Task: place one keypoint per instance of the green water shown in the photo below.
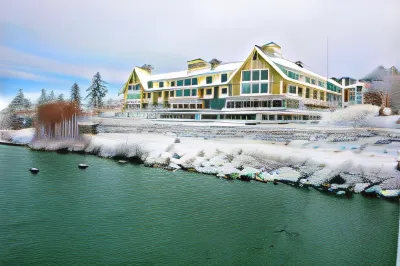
(112, 214)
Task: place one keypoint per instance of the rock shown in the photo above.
(174, 166)
(383, 141)
(176, 156)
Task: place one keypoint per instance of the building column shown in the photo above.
(258, 116)
(281, 87)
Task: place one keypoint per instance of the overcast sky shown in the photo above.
(51, 44)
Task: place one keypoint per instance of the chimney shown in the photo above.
(147, 68)
(299, 63)
(214, 63)
(343, 82)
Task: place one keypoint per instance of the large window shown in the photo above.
(300, 91)
(224, 91)
(180, 83)
(254, 81)
(179, 93)
(194, 81)
(321, 84)
(208, 91)
(209, 80)
(172, 83)
(293, 75)
(194, 92)
(161, 84)
(308, 80)
(150, 84)
(188, 82)
(171, 94)
(186, 92)
(307, 92)
(313, 81)
(292, 89)
(224, 77)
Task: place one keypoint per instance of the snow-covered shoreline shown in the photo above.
(359, 166)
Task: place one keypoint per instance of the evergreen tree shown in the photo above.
(52, 97)
(43, 97)
(60, 98)
(18, 103)
(97, 91)
(27, 103)
(75, 94)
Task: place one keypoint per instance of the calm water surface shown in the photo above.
(112, 214)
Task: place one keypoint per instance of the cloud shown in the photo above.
(363, 34)
(13, 59)
(9, 73)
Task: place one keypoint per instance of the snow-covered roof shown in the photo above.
(354, 85)
(292, 66)
(224, 67)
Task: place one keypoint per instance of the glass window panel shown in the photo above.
(150, 84)
(224, 91)
(161, 84)
(209, 80)
(188, 82)
(264, 87)
(194, 81)
(194, 92)
(255, 88)
(245, 75)
(292, 89)
(186, 92)
(179, 93)
(264, 74)
(245, 88)
(172, 83)
(180, 83)
(256, 75)
(224, 77)
(208, 91)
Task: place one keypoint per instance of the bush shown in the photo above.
(201, 153)
(177, 140)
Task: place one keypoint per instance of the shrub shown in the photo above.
(201, 153)
(177, 140)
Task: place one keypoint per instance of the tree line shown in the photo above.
(95, 95)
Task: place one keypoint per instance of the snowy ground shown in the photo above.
(299, 153)
(360, 163)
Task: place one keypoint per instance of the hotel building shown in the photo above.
(265, 86)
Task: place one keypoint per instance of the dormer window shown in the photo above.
(224, 77)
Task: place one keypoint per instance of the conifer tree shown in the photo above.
(18, 103)
(52, 97)
(60, 98)
(43, 97)
(75, 94)
(97, 91)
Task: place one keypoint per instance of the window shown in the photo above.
(208, 91)
(179, 83)
(276, 103)
(194, 92)
(186, 92)
(264, 74)
(264, 87)
(179, 93)
(315, 94)
(245, 88)
(171, 93)
(150, 84)
(254, 81)
(188, 82)
(160, 94)
(293, 75)
(194, 81)
(148, 95)
(255, 88)
(209, 80)
(308, 80)
(313, 81)
(300, 91)
(292, 89)
(255, 75)
(322, 96)
(224, 77)
(137, 87)
(172, 83)
(224, 91)
(255, 56)
(245, 75)
(307, 92)
(161, 84)
(321, 84)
